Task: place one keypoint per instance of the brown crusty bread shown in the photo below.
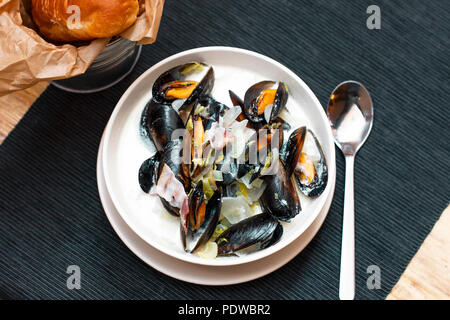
(98, 18)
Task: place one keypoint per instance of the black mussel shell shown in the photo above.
(213, 109)
(160, 121)
(235, 100)
(179, 73)
(262, 228)
(245, 168)
(280, 198)
(251, 97)
(196, 237)
(148, 172)
(281, 98)
(229, 176)
(320, 181)
(204, 88)
(294, 148)
(274, 238)
(282, 124)
(148, 176)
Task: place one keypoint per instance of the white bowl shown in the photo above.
(125, 149)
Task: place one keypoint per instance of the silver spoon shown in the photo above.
(350, 113)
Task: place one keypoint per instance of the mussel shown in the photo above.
(151, 169)
(264, 101)
(305, 159)
(202, 218)
(148, 177)
(262, 231)
(148, 172)
(183, 85)
(160, 121)
(280, 198)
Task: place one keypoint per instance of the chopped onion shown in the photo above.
(255, 193)
(268, 112)
(208, 251)
(231, 115)
(246, 179)
(217, 175)
(235, 209)
(257, 183)
(241, 135)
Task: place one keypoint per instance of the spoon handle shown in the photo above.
(347, 277)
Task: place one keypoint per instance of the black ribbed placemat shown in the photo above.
(51, 216)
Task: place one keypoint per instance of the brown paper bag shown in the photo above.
(26, 58)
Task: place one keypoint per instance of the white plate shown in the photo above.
(202, 274)
(124, 149)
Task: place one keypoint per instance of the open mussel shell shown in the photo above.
(316, 185)
(183, 85)
(148, 172)
(160, 121)
(148, 177)
(262, 229)
(202, 218)
(280, 198)
(255, 101)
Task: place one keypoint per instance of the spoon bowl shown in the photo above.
(350, 112)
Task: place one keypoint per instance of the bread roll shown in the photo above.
(73, 20)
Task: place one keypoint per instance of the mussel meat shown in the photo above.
(306, 159)
(183, 85)
(264, 101)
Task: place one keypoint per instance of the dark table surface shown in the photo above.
(51, 216)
